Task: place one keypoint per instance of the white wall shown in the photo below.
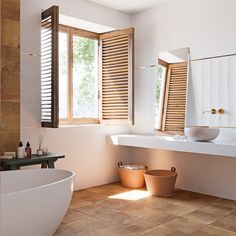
(85, 147)
(208, 28)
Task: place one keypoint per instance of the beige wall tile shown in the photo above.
(10, 33)
(10, 116)
(10, 63)
(10, 74)
(10, 9)
(9, 141)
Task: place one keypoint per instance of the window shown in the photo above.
(160, 91)
(78, 76)
(85, 77)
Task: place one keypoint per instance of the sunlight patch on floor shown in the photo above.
(132, 195)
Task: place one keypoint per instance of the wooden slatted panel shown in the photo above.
(175, 98)
(49, 67)
(116, 74)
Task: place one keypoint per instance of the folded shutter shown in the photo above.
(175, 98)
(49, 67)
(116, 76)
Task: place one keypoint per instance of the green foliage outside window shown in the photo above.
(85, 77)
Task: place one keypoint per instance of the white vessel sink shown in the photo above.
(201, 133)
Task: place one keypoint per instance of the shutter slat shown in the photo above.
(114, 40)
(115, 43)
(114, 51)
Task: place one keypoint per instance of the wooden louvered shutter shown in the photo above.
(116, 76)
(175, 98)
(49, 67)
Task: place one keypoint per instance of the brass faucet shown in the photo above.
(213, 111)
(221, 111)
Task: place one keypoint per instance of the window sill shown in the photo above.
(78, 125)
(89, 125)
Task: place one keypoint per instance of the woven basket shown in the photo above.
(161, 183)
(132, 178)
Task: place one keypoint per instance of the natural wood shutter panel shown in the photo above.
(49, 67)
(175, 98)
(116, 76)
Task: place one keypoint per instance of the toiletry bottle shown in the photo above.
(21, 151)
(28, 150)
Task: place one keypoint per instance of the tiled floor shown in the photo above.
(114, 210)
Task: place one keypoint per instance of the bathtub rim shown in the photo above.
(41, 186)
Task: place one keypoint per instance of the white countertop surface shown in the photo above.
(174, 144)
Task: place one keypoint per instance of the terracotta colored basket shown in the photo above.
(132, 176)
(161, 183)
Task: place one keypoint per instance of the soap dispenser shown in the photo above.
(28, 150)
(21, 151)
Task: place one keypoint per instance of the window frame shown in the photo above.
(71, 31)
(162, 102)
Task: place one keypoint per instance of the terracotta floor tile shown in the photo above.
(158, 218)
(89, 196)
(196, 201)
(93, 212)
(137, 225)
(135, 209)
(113, 217)
(163, 230)
(66, 230)
(212, 231)
(112, 230)
(109, 189)
(76, 203)
(228, 222)
(93, 209)
(186, 226)
(175, 209)
(114, 203)
(156, 202)
(227, 203)
(72, 215)
(89, 224)
(209, 214)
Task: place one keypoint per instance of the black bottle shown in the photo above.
(28, 150)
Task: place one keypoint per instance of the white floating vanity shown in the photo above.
(174, 144)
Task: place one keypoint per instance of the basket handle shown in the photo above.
(120, 163)
(173, 169)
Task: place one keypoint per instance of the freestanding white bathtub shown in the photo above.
(34, 202)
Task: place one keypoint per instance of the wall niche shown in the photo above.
(10, 75)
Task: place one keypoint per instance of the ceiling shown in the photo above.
(130, 6)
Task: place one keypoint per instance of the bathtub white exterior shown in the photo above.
(34, 202)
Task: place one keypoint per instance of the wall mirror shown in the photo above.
(211, 99)
(171, 87)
